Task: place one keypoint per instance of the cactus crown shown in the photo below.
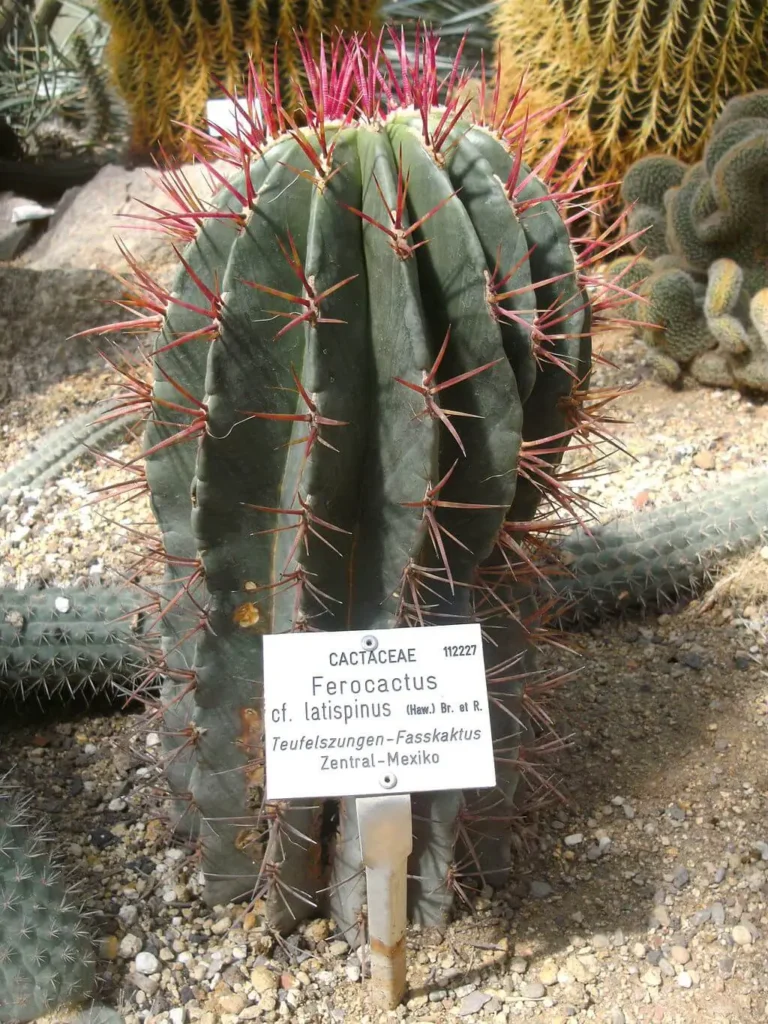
(378, 345)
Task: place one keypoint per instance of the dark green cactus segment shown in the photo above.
(58, 644)
(452, 275)
(487, 814)
(656, 558)
(323, 487)
(505, 246)
(169, 471)
(47, 956)
(560, 327)
(402, 457)
(248, 370)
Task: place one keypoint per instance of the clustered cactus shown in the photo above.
(47, 957)
(704, 271)
(376, 351)
(167, 59)
(637, 76)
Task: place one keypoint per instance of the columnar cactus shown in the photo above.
(376, 350)
(47, 956)
(59, 645)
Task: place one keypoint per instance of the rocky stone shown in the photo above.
(473, 1003)
(680, 954)
(548, 973)
(742, 936)
(533, 990)
(263, 980)
(540, 890)
(146, 963)
(130, 946)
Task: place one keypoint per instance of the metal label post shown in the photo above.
(386, 841)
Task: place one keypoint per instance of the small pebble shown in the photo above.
(533, 990)
(130, 946)
(146, 963)
(742, 936)
(540, 890)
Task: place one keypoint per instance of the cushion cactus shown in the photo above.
(705, 241)
(375, 353)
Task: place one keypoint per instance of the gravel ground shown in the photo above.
(640, 898)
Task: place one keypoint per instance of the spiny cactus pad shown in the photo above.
(46, 953)
(373, 357)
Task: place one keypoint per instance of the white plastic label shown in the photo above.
(220, 114)
(361, 713)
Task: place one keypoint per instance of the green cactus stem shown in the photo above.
(56, 450)
(656, 558)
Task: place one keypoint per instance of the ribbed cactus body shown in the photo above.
(46, 952)
(641, 76)
(372, 359)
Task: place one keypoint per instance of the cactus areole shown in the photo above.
(375, 352)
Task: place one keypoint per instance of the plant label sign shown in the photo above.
(362, 713)
(222, 115)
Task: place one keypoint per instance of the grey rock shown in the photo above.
(666, 968)
(681, 878)
(718, 914)
(700, 917)
(617, 1016)
(725, 966)
(473, 1003)
(533, 990)
(540, 890)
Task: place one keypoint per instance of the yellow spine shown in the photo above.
(650, 75)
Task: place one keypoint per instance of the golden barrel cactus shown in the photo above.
(642, 76)
(166, 55)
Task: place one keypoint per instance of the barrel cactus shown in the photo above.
(376, 351)
(638, 77)
(168, 59)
